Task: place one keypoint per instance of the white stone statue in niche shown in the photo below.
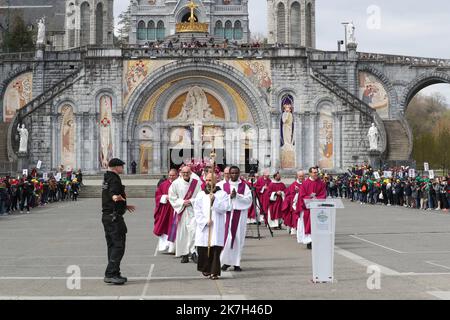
(373, 137)
(23, 132)
(196, 107)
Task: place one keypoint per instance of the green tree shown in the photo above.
(429, 118)
(19, 38)
(124, 27)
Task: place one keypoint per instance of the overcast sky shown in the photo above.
(408, 27)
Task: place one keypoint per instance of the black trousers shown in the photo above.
(115, 234)
(211, 264)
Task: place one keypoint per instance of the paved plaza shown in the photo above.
(42, 252)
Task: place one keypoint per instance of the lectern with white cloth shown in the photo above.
(323, 229)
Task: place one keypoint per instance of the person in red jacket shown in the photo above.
(163, 214)
(312, 188)
(276, 194)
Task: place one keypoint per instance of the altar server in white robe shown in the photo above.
(182, 194)
(236, 220)
(210, 234)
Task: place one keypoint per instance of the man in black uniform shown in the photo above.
(114, 206)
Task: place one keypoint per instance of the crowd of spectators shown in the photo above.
(391, 187)
(35, 189)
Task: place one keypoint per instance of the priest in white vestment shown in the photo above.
(182, 194)
(210, 234)
(236, 220)
(226, 178)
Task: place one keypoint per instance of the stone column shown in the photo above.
(118, 136)
(275, 142)
(198, 140)
(165, 142)
(157, 152)
(264, 148)
(79, 141)
(338, 144)
(299, 148)
(55, 119)
(228, 140)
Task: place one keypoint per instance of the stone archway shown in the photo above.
(162, 80)
(420, 83)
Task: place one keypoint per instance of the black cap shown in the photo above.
(115, 163)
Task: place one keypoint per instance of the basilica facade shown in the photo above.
(282, 106)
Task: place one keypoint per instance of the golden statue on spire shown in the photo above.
(193, 25)
(192, 6)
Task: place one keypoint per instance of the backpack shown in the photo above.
(364, 188)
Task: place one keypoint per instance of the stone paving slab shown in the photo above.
(409, 246)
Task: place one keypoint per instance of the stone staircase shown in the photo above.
(398, 141)
(354, 102)
(38, 102)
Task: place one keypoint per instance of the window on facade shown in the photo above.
(228, 30)
(151, 31)
(160, 31)
(238, 33)
(218, 30)
(309, 25)
(295, 24)
(141, 31)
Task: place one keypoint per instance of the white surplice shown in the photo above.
(202, 207)
(164, 245)
(185, 239)
(242, 202)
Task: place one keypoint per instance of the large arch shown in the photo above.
(419, 83)
(161, 80)
(252, 97)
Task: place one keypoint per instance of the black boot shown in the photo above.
(225, 267)
(115, 280)
(194, 257)
(185, 259)
(309, 246)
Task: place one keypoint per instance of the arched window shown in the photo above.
(229, 30)
(99, 24)
(308, 23)
(160, 31)
(141, 31)
(295, 24)
(281, 23)
(218, 30)
(85, 32)
(151, 31)
(238, 33)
